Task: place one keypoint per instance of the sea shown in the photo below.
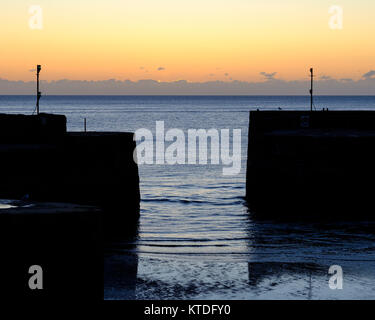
(196, 238)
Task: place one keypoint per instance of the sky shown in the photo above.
(198, 41)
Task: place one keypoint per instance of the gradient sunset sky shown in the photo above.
(194, 40)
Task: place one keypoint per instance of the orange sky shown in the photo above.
(196, 40)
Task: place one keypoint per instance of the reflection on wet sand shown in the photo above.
(291, 259)
(273, 259)
(273, 274)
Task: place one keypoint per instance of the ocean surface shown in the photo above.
(196, 238)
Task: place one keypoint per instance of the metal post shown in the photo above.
(311, 90)
(38, 93)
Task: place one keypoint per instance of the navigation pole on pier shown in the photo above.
(311, 89)
(38, 93)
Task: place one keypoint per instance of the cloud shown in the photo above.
(346, 79)
(325, 78)
(268, 76)
(363, 86)
(369, 75)
(161, 68)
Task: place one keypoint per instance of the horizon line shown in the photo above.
(197, 95)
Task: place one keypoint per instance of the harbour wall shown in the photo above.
(318, 164)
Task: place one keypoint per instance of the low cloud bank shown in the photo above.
(324, 86)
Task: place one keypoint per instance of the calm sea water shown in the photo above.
(196, 238)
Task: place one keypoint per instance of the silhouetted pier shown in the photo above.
(44, 162)
(68, 189)
(319, 163)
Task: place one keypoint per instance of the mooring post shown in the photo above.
(38, 93)
(311, 90)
